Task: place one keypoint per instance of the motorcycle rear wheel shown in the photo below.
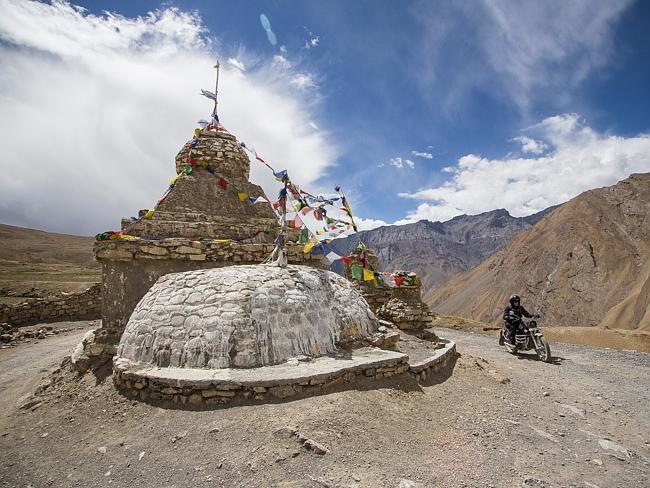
(543, 351)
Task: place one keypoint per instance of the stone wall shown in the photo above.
(406, 308)
(179, 392)
(211, 394)
(130, 268)
(66, 306)
(376, 296)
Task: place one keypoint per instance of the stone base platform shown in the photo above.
(203, 388)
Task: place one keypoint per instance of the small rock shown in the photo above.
(45, 434)
(530, 481)
(546, 393)
(406, 484)
(597, 462)
(102, 449)
(140, 456)
(314, 446)
(178, 436)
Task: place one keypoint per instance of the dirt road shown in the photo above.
(496, 420)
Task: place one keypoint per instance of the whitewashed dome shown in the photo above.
(244, 317)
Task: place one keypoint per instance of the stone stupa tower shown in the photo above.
(203, 221)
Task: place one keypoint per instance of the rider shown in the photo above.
(512, 317)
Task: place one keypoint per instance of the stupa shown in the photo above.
(211, 216)
(191, 316)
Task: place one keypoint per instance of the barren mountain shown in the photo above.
(37, 246)
(438, 250)
(586, 263)
(35, 263)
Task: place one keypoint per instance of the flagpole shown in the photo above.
(216, 91)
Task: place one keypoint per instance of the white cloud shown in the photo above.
(530, 146)
(578, 159)
(281, 61)
(236, 63)
(521, 51)
(94, 109)
(312, 41)
(422, 154)
(303, 81)
(368, 224)
(400, 163)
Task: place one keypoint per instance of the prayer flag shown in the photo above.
(357, 272)
(208, 94)
(281, 175)
(223, 183)
(149, 214)
(308, 247)
(332, 256)
(242, 196)
(368, 275)
(346, 260)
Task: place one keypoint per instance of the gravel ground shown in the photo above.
(495, 420)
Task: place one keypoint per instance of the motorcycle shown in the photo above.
(527, 337)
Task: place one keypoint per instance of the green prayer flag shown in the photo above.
(357, 272)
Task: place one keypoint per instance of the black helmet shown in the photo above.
(514, 298)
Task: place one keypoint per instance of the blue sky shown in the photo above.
(417, 109)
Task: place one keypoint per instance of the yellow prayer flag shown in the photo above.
(197, 132)
(368, 275)
(222, 241)
(308, 247)
(149, 214)
(242, 196)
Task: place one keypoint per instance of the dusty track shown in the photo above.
(469, 430)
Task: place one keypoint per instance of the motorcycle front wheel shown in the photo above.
(544, 350)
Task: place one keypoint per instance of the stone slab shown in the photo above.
(438, 356)
(266, 376)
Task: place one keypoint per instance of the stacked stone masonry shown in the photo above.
(406, 308)
(130, 268)
(209, 395)
(66, 306)
(200, 205)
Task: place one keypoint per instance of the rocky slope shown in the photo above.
(587, 263)
(438, 250)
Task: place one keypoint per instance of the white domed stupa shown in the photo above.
(244, 317)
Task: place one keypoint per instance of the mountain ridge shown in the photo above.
(438, 250)
(587, 263)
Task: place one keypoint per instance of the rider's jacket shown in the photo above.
(512, 315)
